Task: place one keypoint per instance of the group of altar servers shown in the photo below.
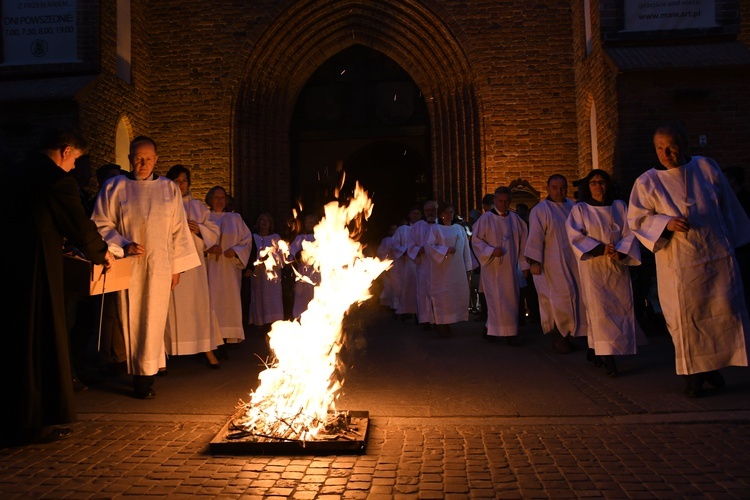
(578, 255)
(188, 260)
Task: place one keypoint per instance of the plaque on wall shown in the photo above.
(39, 33)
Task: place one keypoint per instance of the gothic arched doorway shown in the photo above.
(360, 114)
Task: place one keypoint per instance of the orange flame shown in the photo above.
(300, 386)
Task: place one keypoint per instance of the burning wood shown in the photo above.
(295, 399)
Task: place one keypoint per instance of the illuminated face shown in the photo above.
(415, 215)
(557, 189)
(446, 216)
(668, 150)
(143, 159)
(219, 200)
(502, 203)
(69, 157)
(598, 187)
(430, 211)
(182, 182)
(264, 224)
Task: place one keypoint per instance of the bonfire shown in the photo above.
(297, 392)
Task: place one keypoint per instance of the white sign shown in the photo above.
(658, 15)
(39, 32)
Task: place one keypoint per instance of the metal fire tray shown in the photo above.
(354, 441)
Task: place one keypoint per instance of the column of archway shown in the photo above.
(309, 33)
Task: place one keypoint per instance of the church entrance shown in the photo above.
(361, 118)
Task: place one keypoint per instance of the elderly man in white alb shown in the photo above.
(687, 214)
(499, 240)
(550, 255)
(140, 215)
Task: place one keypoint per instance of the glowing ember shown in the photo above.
(297, 392)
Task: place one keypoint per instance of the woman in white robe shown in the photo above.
(447, 247)
(266, 299)
(225, 262)
(604, 246)
(687, 214)
(192, 326)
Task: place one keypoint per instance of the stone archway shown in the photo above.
(308, 33)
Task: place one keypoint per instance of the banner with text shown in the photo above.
(39, 32)
(658, 15)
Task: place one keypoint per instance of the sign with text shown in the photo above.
(659, 15)
(39, 32)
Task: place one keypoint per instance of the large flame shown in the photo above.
(299, 388)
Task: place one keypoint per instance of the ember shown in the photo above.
(295, 399)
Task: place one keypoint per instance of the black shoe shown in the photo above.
(144, 394)
(559, 343)
(222, 352)
(78, 385)
(694, 385)
(715, 379)
(53, 434)
(143, 387)
(609, 363)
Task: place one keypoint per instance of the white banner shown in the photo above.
(659, 15)
(39, 32)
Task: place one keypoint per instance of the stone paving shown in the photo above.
(449, 418)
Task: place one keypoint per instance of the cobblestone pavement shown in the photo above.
(449, 418)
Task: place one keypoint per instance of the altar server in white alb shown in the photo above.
(266, 300)
(140, 214)
(405, 267)
(447, 247)
(225, 262)
(192, 327)
(419, 233)
(605, 246)
(549, 253)
(687, 214)
(499, 240)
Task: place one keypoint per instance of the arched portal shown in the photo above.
(418, 37)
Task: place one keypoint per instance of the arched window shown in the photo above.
(122, 143)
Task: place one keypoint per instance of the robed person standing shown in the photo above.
(605, 246)
(419, 233)
(225, 262)
(687, 214)
(549, 253)
(192, 326)
(37, 389)
(405, 267)
(447, 247)
(142, 215)
(499, 240)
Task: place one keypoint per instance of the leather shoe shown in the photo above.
(54, 434)
(715, 379)
(144, 393)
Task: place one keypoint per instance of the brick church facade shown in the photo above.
(415, 99)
